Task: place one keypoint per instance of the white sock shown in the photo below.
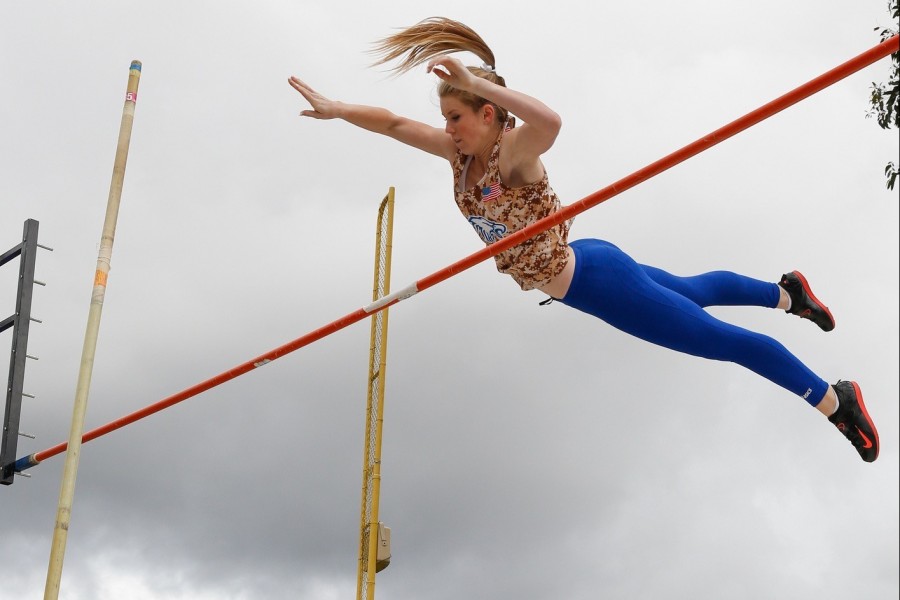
(790, 303)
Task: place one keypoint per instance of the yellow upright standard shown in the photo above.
(374, 537)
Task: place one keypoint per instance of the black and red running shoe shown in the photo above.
(853, 420)
(804, 303)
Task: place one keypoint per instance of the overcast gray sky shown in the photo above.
(529, 452)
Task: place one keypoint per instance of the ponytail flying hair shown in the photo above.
(439, 36)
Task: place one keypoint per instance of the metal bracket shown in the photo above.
(19, 321)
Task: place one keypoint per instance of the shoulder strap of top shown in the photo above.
(493, 170)
(461, 183)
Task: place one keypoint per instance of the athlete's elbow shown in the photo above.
(553, 125)
(555, 122)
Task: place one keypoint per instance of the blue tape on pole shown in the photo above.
(26, 462)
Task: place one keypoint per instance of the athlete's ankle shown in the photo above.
(829, 403)
(784, 299)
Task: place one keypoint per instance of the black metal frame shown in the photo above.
(19, 321)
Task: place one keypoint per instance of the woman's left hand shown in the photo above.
(452, 71)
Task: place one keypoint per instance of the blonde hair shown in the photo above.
(440, 36)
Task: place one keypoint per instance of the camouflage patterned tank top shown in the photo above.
(496, 211)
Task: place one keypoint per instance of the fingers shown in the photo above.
(320, 105)
(440, 61)
(307, 92)
(448, 68)
(441, 74)
(299, 85)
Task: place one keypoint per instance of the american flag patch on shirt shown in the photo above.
(490, 192)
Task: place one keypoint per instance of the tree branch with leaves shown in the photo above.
(883, 99)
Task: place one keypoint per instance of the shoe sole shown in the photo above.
(812, 297)
(865, 413)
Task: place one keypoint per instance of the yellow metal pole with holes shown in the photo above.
(369, 538)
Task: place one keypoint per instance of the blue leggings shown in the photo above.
(667, 310)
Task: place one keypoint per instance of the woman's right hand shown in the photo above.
(433, 140)
(322, 107)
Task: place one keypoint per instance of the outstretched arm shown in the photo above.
(413, 133)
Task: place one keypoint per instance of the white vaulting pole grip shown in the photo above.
(391, 299)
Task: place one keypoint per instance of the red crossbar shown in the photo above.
(813, 86)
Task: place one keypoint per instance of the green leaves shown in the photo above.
(883, 99)
(890, 171)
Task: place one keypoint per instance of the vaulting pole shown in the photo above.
(752, 118)
(67, 488)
